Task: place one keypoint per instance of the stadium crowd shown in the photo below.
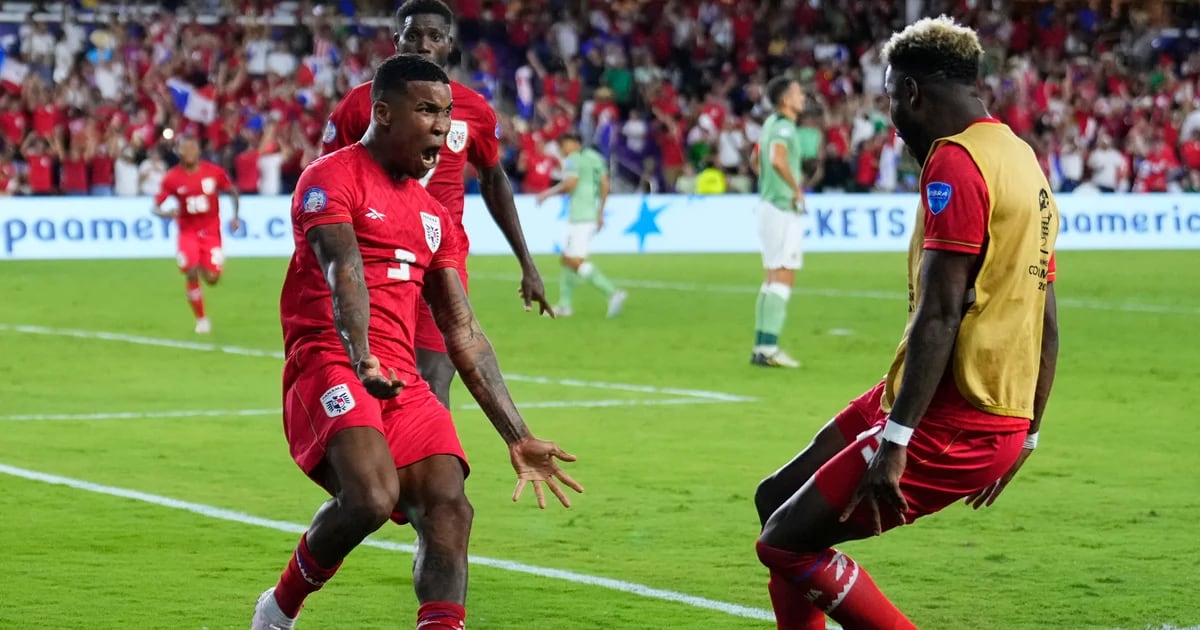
(671, 92)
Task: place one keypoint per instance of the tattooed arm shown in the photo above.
(336, 248)
(472, 353)
(473, 357)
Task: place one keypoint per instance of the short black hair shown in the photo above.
(410, 8)
(571, 135)
(936, 48)
(397, 71)
(777, 87)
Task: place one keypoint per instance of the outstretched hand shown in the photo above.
(373, 379)
(533, 460)
(532, 290)
(988, 496)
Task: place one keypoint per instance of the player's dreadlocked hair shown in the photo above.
(936, 48)
(422, 7)
(394, 74)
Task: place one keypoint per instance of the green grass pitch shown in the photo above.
(672, 427)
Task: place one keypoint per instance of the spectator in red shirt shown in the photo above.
(537, 166)
(1190, 152)
(102, 163)
(9, 181)
(39, 164)
(74, 171)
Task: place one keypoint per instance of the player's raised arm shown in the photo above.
(475, 360)
(336, 248)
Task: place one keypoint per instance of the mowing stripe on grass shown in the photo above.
(1069, 302)
(641, 590)
(699, 394)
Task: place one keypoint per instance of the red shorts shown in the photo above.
(327, 398)
(427, 336)
(200, 250)
(945, 463)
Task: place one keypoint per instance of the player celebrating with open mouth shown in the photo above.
(370, 244)
(424, 27)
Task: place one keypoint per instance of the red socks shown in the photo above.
(793, 611)
(195, 297)
(830, 581)
(302, 577)
(441, 616)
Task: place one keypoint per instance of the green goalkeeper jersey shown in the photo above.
(773, 189)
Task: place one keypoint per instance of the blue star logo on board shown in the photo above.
(646, 222)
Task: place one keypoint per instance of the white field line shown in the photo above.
(138, 415)
(1069, 302)
(228, 413)
(276, 354)
(209, 511)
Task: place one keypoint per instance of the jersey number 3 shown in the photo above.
(403, 271)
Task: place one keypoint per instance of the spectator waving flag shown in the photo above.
(198, 104)
(12, 73)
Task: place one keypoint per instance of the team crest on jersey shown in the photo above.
(337, 400)
(314, 199)
(456, 140)
(433, 230)
(330, 133)
(208, 185)
(937, 196)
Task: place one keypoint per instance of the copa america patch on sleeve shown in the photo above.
(337, 400)
(497, 130)
(330, 132)
(315, 199)
(937, 196)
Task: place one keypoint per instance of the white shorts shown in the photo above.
(579, 239)
(781, 235)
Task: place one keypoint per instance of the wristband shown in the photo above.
(896, 433)
(1031, 441)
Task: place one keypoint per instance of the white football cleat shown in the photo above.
(616, 302)
(203, 326)
(778, 358)
(267, 615)
(563, 311)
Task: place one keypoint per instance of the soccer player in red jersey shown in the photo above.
(423, 27)
(370, 244)
(195, 184)
(961, 406)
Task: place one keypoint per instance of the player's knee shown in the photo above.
(767, 498)
(370, 506)
(447, 517)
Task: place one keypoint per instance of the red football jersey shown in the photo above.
(402, 234)
(196, 191)
(474, 137)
